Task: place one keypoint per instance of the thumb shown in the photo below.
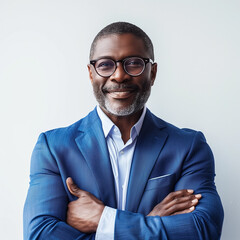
(73, 188)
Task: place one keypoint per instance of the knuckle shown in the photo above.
(176, 200)
(171, 195)
(177, 193)
(174, 208)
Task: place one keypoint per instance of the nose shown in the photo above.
(120, 75)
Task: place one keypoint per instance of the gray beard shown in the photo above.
(137, 105)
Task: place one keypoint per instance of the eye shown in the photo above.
(105, 64)
(134, 62)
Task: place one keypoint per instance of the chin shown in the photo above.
(116, 109)
(122, 111)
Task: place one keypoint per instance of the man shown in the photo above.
(121, 172)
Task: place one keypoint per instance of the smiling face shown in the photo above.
(121, 94)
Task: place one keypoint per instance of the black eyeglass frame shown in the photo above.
(145, 60)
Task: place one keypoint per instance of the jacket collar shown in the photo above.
(149, 145)
(91, 142)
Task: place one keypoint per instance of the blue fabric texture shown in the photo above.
(166, 159)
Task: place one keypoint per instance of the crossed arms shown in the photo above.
(49, 215)
(85, 212)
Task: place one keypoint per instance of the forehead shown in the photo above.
(118, 46)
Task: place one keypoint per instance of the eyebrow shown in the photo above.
(110, 57)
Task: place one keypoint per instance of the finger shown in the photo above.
(188, 200)
(191, 209)
(177, 194)
(198, 196)
(73, 188)
(187, 206)
(182, 201)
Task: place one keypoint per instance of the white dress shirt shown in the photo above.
(121, 159)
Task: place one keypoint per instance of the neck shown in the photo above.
(124, 123)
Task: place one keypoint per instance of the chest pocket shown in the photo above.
(156, 190)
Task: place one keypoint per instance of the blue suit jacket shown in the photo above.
(166, 159)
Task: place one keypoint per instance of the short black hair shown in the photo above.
(121, 28)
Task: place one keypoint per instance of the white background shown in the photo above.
(44, 47)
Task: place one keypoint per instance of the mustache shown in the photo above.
(120, 86)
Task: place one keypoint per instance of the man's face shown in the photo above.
(121, 94)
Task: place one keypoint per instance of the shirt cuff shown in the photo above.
(106, 225)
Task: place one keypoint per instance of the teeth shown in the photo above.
(119, 94)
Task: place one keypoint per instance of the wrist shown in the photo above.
(106, 224)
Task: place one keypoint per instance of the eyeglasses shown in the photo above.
(134, 66)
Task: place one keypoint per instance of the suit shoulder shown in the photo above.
(177, 132)
(185, 140)
(171, 127)
(64, 134)
(63, 131)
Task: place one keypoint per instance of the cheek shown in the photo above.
(145, 82)
(98, 81)
(98, 84)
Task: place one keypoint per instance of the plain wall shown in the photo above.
(44, 48)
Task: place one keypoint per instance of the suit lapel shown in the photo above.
(149, 144)
(92, 144)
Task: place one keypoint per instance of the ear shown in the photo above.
(90, 73)
(153, 73)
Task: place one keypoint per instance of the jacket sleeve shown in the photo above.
(205, 222)
(46, 204)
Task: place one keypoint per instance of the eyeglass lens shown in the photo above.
(133, 66)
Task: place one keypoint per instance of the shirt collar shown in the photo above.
(107, 124)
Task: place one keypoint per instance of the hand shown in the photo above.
(85, 212)
(183, 201)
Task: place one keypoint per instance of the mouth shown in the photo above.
(120, 93)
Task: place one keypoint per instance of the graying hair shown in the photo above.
(121, 28)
